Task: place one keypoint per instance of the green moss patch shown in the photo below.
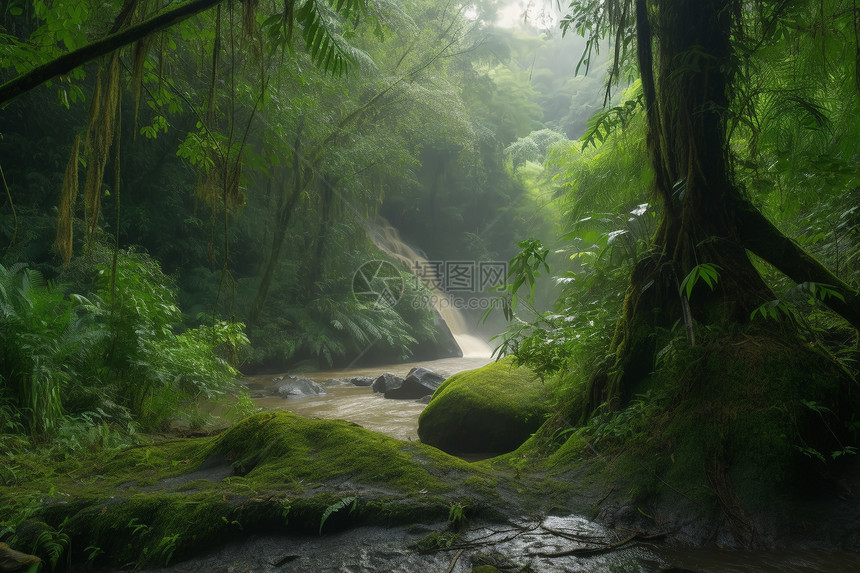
(491, 409)
(274, 471)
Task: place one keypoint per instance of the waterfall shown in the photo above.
(387, 239)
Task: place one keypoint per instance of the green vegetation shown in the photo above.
(189, 189)
(117, 355)
(715, 381)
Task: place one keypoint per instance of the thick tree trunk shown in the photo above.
(705, 218)
(686, 99)
(68, 62)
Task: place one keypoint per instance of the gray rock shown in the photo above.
(418, 383)
(360, 380)
(334, 382)
(386, 382)
(300, 388)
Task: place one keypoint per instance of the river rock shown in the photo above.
(360, 380)
(333, 382)
(300, 388)
(419, 382)
(493, 409)
(386, 382)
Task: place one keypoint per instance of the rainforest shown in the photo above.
(363, 285)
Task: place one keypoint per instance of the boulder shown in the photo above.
(492, 409)
(419, 382)
(300, 388)
(386, 382)
(360, 380)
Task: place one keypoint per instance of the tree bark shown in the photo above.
(705, 217)
(68, 62)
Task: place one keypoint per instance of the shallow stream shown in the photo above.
(343, 401)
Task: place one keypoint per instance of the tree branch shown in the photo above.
(762, 238)
(68, 62)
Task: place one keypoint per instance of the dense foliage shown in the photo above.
(250, 150)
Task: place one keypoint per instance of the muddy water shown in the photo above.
(343, 401)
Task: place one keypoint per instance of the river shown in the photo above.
(343, 401)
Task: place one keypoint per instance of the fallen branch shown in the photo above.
(590, 550)
(571, 536)
(68, 62)
(454, 561)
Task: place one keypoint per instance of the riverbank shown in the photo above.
(279, 491)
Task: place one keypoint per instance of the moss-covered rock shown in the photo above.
(273, 472)
(491, 409)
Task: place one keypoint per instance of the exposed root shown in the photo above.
(740, 524)
(454, 560)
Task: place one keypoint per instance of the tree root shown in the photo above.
(740, 524)
(454, 560)
(593, 550)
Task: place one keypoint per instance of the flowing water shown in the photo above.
(343, 401)
(538, 545)
(387, 238)
(377, 549)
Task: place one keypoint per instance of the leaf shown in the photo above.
(708, 272)
(337, 506)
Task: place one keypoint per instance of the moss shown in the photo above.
(437, 540)
(755, 395)
(491, 409)
(277, 449)
(728, 426)
(166, 501)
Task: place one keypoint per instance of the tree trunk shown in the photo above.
(766, 241)
(321, 240)
(286, 207)
(705, 218)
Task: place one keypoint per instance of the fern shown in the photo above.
(322, 34)
(351, 501)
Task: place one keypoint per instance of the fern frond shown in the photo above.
(321, 30)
